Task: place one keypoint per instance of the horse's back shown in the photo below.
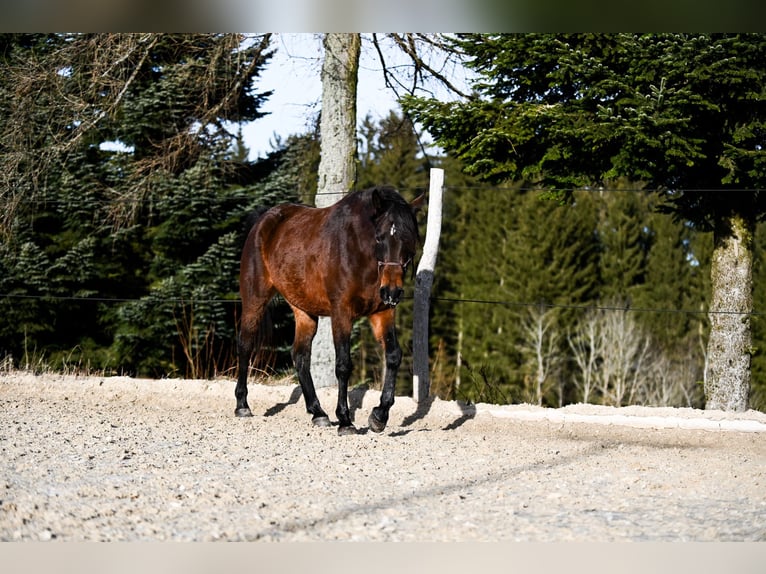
(314, 256)
(289, 245)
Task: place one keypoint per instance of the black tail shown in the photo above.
(253, 217)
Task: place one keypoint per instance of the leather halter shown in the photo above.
(394, 263)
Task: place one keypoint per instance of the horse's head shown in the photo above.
(396, 239)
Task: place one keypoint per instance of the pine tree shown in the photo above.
(623, 238)
(100, 225)
(682, 113)
(668, 282)
(539, 255)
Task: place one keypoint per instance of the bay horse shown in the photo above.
(346, 261)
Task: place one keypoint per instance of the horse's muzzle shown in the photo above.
(391, 295)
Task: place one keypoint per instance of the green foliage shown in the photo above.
(186, 324)
(623, 234)
(606, 249)
(128, 260)
(390, 154)
(681, 114)
(675, 111)
(531, 264)
(182, 314)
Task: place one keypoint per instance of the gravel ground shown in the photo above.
(120, 459)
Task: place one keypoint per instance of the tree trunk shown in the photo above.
(337, 163)
(727, 384)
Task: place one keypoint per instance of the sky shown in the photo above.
(294, 76)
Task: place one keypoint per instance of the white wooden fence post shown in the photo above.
(423, 282)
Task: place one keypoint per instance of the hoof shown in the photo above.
(243, 412)
(321, 421)
(347, 430)
(375, 424)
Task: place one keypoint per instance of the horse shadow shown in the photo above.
(468, 412)
(356, 402)
(279, 407)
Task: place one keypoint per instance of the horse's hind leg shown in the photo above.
(305, 329)
(256, 292)
(384, 328)
(252, 315)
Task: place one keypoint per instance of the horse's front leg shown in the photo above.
(305, 329)
(341, 332)
(384, 328)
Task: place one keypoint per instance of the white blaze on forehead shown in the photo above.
(393, 229)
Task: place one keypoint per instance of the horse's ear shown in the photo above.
(418, 203)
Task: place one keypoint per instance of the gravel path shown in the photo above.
(119, 459)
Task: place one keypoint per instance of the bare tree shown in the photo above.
(612, 354)
(428, 56)
(624, 355)
(670, 382)
(540, 345)
(618, 364)
(584, 344)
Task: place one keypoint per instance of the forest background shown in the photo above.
(126, 261)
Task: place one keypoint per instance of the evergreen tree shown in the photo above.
(679, 112)
(623, 238)
(91, 226)
(670, 283)
(390, 154)
(541, 256)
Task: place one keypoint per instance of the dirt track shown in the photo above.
(123, 459)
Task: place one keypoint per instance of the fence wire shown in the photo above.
(456, 300)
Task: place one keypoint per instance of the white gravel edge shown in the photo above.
(659, 422)
(750, 421)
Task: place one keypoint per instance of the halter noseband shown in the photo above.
(382, 264)
(394, 263)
